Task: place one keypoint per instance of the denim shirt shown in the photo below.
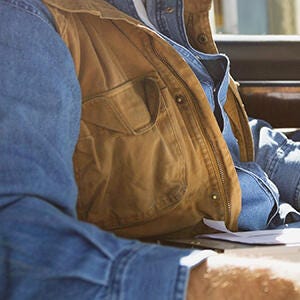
(45, 252)
(264, 183)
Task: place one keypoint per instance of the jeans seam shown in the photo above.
(260, 182)
(267, 191)
(272, 163)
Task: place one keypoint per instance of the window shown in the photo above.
(262, 40)
(257, 16)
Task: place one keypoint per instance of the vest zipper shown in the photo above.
(219, 164)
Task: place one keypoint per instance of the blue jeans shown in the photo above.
(45, 252)
(279, 157)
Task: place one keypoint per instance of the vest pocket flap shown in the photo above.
(131, 108)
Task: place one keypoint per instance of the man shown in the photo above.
(165, 135)
(46, 253)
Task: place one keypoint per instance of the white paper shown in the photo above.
(288, 236)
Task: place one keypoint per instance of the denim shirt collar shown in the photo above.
(164, 14)
(168, 18)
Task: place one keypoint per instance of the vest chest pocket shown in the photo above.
(129, 165)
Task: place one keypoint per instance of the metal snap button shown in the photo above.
(169, 10)
(214, 197)
(202, 38)
(179, 99)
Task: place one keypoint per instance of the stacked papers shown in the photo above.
(288, 236)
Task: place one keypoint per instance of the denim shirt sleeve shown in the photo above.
(45, 252)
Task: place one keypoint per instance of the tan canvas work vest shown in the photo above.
(150, 159)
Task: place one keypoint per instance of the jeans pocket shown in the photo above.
(260, 198)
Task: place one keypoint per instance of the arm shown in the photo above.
(229, 277)
(45, 252)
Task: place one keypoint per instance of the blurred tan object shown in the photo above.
(282, 17)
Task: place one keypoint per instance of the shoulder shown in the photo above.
(32, 7)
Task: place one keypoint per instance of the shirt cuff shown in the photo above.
(154, 272)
